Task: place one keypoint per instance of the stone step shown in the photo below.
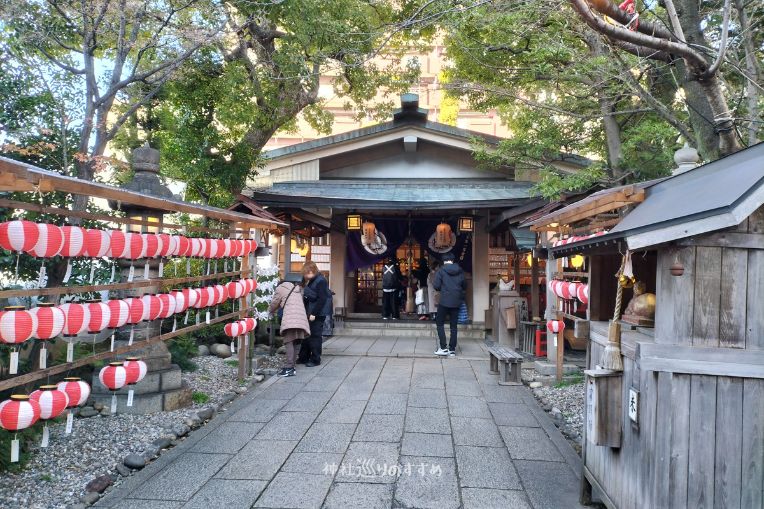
(414, 332)
(149, 402)
(155, 381)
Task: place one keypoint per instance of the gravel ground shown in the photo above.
(564, 403)
(56, 477)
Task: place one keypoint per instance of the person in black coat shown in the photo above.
(315, 294)
(452, 285)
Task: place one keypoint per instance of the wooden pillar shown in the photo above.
(243, 347)
(534, 288)
(560, 347)
(516, 269)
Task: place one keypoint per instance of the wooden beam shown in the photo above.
(63, 368)
(734, 362)
(726, 239)
(590, 207)
(23, 177)
(66, 290)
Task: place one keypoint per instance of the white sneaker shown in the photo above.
(441, 351)
(451, 353)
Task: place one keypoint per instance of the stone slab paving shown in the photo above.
(368, 432)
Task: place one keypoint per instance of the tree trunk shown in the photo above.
(612, 135)
(708, 109)
(754, 73)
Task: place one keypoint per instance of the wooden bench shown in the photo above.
(511, 364)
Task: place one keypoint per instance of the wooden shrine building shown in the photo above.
(682, 425)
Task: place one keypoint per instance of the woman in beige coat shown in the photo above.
(294, 320)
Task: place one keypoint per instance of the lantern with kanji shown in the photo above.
(113, 377)
(78, 392)
(119, 313)
(50, 323)
(16, 326)
(443, 235)
(53, 402)
(135, 371)
(16, 414)
(369, 230)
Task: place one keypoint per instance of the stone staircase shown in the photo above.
(354, 326)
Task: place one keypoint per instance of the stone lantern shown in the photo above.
(162, 388)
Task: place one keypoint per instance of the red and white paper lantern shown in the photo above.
(99, 316)
(16, 414)
(16, 326)
(78, 392)
(50, 241)
(197, 246)
(152, 307)
(113, 377)
(117, 243)
(74, 241)
(135, 370)
(136, 314)
(50, 323)
(582, 293)
(168, 305)
(77, 321)
(53, 402)
(184, 245)
(119, 312)
(97, 243)
(233, 329)
(19, 236)
(555, 326)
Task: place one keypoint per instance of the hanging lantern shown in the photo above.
(78, 392)
(19, 235)
(181, 304)
(99, 316)
(168, 305)
(207, 299)
(97, 243)
(152, 307)
(117, 243)
(582, 292)
(184, 245)
(443, 235)
(573, 289)
(53, 402)
(16, 326)
(77, 320)
(233, 329)
(211, 248)
(369, 232)
(565, 290)
(135, 316)
(195, 247)
(235, 289)
(304, 249)
(577, 261)
(224, 248)
(555, 326)
(50, 323)
(135, 370)
(113, 377)
(16, 414)
(353, 222)
(119, 312)
(50, 241)
(74, 241)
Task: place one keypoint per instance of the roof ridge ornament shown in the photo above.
(686, 158)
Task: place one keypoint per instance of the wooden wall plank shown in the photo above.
(756, 221)
(645, 448)
(675, 297)
(662, 460)
(754, 338)
(734, 285)
(729, 424)
(700, 482)
(708, 268)
(752, 463)
(680, 440)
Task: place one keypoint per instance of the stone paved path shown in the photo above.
(330, 436)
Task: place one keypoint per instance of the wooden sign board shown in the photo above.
(603, 407)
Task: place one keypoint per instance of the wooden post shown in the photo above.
(534, 288)
(243, 306)
(560, 347)
(516, 268)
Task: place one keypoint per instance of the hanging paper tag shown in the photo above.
(185, 320)
(41, 277)
(207, 317)
(92, 272)
(197, 318)
(113, 266)
(216, 312)
(132, 335)
(45, 436)
(174, 323)
(175, 268)
(160, 272)
(130, 273)
(68, 271)
(129, 397)
(43, 357)
(215, 268)
(69, 421)
(208, 267)
(70, 352)
(146, 270)
(14, 363)
(188, 266)
(225, 265)
(111, 347)
(233, 350)
(15, 450)
(113, 403)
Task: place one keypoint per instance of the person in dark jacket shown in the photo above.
(391, 284)
(452, 285)
(315, 293)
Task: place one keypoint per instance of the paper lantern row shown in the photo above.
(239, 327)
(44, 240)
(46, 403)
(576, 238)
(120, 374)
(570, 290)
(47, 321)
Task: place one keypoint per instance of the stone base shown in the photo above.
(148, 402)
(549, 368)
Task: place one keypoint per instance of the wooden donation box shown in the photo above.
(603, 407)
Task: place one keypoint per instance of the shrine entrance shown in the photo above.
(368, 292)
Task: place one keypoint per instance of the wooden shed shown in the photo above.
(682, 425)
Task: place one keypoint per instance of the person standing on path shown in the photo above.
(452, 285)
(315, 292)
(391, 283)
(294, 321)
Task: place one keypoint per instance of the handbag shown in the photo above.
(419, 299)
